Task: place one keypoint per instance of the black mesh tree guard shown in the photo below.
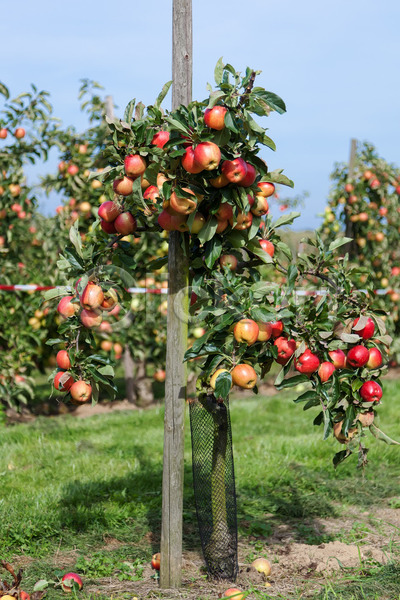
(214, 485)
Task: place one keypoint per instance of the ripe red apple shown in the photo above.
(395, 271)
(19, 133)
(244, 376)
(375, 184)
(207, 155)
(267, 189)
(325, 370)
(66, 308)
(63, 381)
(250, 177)
(224, 212)
(264, 331)
(81, 392)
(63, 360)
(338, 358)
(68, 582)
(72, 169)
(92, 296)
(286, 349)
(307, 362)
(357, 357)
(123, 186)
(189, 162)
(234, 170)
(24, 595)
(107, 227)
(3, 133)
(165, 221)
(349, 188)
(375, 359)
(156, 561)
(159, 375)
(229, 260)
(262, 565)
(260, 206)
(151, 193)
(109, 211)
(371, 391)
(16, 207)
(90, 318)
(268, 247)
(368, 174)
(277, 328)
(135, 165)
(183, 205)
(243, 221)
(21, 214)
(160, 138)
(125, 223)
(246, 330)
(215, 117)
(234, 593)
(366, 332)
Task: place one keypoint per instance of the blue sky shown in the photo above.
(336, 65)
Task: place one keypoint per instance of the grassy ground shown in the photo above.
(84, 495)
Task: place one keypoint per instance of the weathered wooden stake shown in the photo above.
(176, 373)
(351, 247)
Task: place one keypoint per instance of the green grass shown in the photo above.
(70, 484)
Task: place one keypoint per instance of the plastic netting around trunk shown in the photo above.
(214, 485)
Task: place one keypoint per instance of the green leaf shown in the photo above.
(261, 314)
(223, 385)
(340, 457)
(327, 424)
(54, 341)
(41, 585)
(208, 231)
(75, 238)
(213, 249)
(56, 292)
(230, 122)
(278, 177)
(162, 94)
(309, 395)
(214, 97)
(4, 91)
(255, 248)
(107, 370)
(177, 125)
(339, 242)
(274, 102)
(218, 71)
(285, 220)
(129, 110)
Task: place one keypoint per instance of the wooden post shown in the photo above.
(109, 107)
(176, 373)
(351, 247)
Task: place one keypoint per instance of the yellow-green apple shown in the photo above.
(107, 227)
(262, 565)
(92, 296)
(207, 155)
(220, 181)
(63, 360)
(234, 593)
(160, 138)
(325, 370)
(266, 189)
(90, 318)
(307, 363)
(63, 381)
(109, 211)
(246, 331)
(229, 260)
(260, 206)
(215, 117)
(189, 162)
(375, 358)
(159, 375)
(250, 177)
(183, 205)
(244, 376)
(198, 223)
(214, 377)
(371, 391)
(85, 207)
(68, 581)
(198, 332)
(224, 212)
(366, 332)
(366, 418)
(135, 165)
(264, 331)
(19, 133)
(125, 223)
(268, 247)
(66, 308)
(234, 170)
(3, 133)
(156, 561)
(357, 357)
(338, 358)
(123, 186)
(286, 349)
(15, 189)
(243, 221)
(80, 392)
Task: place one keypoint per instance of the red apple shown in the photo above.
(260, 206)
(125, 223)
(338, 358)
(165, 221)
(244, 376)
(229, 260)
(63, 360)
(73, 169)
(66, 308)
(222, 225)
(107, 227)
(349, 188)
(366, 332)
(371, 391)
(110, 300)
(264, 331)
(19, 133)
(63, 381)
(224, 212)
(243, 221)
(277, 328)
(159, 375)
(24, 595)
(234, 170)
(250, 177)
(16, 207)
(375, 359)
(189, 162)
(267, 189)
(68, 582)
(325, 370)
(183, 205)
(286, 349)
(234, 593)
(81, 392)
(90, 318)
(395, 271)
(357, 357)
(156, 561)
(307, 362)
(160, 138)
(374, 184)
(368, 174)
(92, 296)
(109, 211)
(123, 186)
(151, 193)
(246, 330)
(207, 155)
(135, 165)
(3, 133)
(215, 117)
(268, 247)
